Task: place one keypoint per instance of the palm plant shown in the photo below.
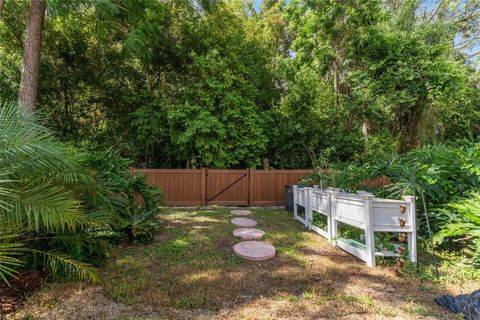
(39, 187)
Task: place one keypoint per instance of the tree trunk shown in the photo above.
(335, 82)
(2, 4)
(365, 128)
(411, 130)
(31, 57)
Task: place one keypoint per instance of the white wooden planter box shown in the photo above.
(299, 196)
(363, 211)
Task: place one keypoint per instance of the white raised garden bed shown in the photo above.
(363, 211)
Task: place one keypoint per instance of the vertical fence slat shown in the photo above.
(329, 218)
(308, 209)
(204, 186)
(251, 178)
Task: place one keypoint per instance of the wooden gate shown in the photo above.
(244, 187)
(227, 187)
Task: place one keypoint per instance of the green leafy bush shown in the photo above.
(461, 222)
(132, 204)
(57, 215)
(40, 186)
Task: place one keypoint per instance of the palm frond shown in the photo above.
(39, 181)
(45, 206)
(62, 264)
(10, 251)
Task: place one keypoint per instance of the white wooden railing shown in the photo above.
(362, 210)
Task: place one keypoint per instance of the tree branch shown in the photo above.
(472, 55)
(464, 44)
(435, 12)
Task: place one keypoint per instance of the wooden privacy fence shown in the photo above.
(244, 187)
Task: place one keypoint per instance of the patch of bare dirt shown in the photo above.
(12, 297)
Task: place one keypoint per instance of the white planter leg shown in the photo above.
(333, 221)
(295, 209)
(308, 209)
(329, 218)
(412, 236)
(369, 232)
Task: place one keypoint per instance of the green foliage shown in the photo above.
(319, 220)
(215, 83)
(410, 74)
(179, 83)
(38, 198)
(55, 214)
(127, 198)
(217, 123)
(461, 221)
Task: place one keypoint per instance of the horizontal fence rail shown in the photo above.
(244, 187)
(363, 211)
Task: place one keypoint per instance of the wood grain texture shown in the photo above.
(244, 187)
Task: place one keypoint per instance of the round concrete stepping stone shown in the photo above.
(248, 233)
(244, 222)
(254, 250)
(241, 212)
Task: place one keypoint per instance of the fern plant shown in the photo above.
(39, 187)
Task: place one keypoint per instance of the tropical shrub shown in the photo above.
(124, 196)
(461, 223)
(57, 215)
(40, 186)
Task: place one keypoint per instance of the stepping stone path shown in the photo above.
(254, 250)
(241, 212)
(244, 222)
(250, 250)
(248, 233)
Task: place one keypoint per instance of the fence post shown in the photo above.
(204, 186)
(412, 236)
(369, 231)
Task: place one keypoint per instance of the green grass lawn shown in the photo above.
(190, 271)
(194, 250)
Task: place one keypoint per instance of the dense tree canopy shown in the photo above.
(216, 83)
(353, 89)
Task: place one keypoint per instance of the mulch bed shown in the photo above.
(12, 298)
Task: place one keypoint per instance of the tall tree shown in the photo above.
(31, 57)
